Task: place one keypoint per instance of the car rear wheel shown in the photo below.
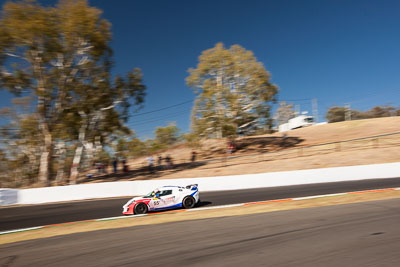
(188, 202)
(141, 208)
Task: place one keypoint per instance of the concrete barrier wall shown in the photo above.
(8, 196)
(134, 188)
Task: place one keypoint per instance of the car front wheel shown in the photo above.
(188, 202)
(141, 208)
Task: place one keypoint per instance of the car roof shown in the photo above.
(169, 187)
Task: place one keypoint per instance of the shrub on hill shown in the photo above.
(337, 114)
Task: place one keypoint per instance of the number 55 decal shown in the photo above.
(156, 203)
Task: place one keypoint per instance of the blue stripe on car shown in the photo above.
(170, 207)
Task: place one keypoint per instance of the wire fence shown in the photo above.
(370, 142)
(271, 152)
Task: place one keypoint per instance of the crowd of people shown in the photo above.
(153, 163)
(166, 162)
(101, 167)
(163, 163)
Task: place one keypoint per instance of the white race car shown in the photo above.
(166, 197)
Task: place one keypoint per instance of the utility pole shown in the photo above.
(347, 115)
(315, 109)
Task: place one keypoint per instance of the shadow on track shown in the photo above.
(203, 204)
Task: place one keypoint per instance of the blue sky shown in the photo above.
(336, 51)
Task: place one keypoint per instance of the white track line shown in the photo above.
(21, 230)
(318, 196)
(217, 207)
(120, 217)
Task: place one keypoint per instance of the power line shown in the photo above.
(161, 109)
(367, 96)
(155, 117)
(294, 100)
(162, 118)
(145, 131)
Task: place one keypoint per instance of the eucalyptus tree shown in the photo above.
(103, 107)
(233, 92)
(20, 142)
(52, 53)
(284, 113)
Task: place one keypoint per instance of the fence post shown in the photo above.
(376, 142)
(338, 147)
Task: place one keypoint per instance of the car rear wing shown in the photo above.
(192, 186)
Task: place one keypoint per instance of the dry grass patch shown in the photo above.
(181, 215)
(265, 153)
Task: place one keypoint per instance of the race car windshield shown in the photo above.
(151, 194)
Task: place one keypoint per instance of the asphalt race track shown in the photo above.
(361, 234)
(37, 215)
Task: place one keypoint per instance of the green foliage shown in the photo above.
(137, 148)
(233, 89)
(121, 148)
(382, 111)
(104, 156)
(192, 140)
(336, 114)
(167, 135)
(20, 138)
(131, 146)
(61, 55)
(229, 130)
(152, 146)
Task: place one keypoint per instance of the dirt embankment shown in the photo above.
(280, 152)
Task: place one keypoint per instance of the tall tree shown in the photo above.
(233, 90)
(19, 138)
(103, 108)
(284, 113)
(56, 53)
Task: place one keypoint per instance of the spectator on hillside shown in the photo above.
(231, 147)
(150, 163)
(193, 157)
(115, 165)
(169, 162)
(124, 166)
(159, 161)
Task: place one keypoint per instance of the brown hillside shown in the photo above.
(346, 130)
(277, 152)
